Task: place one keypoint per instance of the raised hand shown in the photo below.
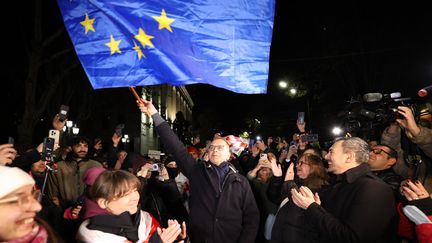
(408, 122)
(7, 154)
(170, 233)
(57, 124)
(276, 169)
(115, 139)
(290, 173)
(413, 191)
(146, 107)
(301, 126)
(304, 197)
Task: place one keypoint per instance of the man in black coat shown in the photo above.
(222, 206)
(382, 158)
(359, 207)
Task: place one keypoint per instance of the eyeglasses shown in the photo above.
(218, 147)
(378, 151)
(300, 163)
(22, 200)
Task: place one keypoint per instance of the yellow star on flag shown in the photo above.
(144, 39)
(138, 50)
(88, 24)
(164, 21)
(114, 45)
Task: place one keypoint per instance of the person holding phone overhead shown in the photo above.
(222, 206)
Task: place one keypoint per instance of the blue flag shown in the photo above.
(225, 43)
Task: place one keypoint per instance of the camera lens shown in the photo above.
(155, 167)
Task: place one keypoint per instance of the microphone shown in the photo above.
(372, 97)
(425, 91)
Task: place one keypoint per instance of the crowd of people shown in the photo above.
(284, 189)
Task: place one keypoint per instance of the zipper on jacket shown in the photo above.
(226, 178)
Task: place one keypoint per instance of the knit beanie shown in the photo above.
(12, 179)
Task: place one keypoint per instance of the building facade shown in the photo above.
(168, 100)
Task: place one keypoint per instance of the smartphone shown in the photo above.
(263, 156)
(309, 138)
(54, 134)
(119, 129)
(48, 148)
(63, 113)
(301, 117)
(11, 140)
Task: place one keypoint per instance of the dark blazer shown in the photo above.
(359, 207)
(219, 212)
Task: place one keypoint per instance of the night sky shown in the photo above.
(332, 51)
(335, 51)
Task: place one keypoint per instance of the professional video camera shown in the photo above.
(378, 110)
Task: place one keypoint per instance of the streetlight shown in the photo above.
(283, 84)
(337, 131)
(125, 138)
(75, 130)
(68, 127)
(293, 91)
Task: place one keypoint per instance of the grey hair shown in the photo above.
(358, 146)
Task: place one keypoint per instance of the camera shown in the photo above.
(309, 137)
(376, 110)
(157, 167)
(79, 202)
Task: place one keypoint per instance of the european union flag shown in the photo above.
(225, 43)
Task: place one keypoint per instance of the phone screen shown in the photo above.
(300, 117)
(119, 129)
(63, 113)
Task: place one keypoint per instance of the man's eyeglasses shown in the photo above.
(218, 147)
(378, 151)
(22, 200)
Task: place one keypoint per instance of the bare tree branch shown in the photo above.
(56, 55)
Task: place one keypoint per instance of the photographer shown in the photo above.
(259, 178)
(160, 195)
(417, 134)
(420, 135)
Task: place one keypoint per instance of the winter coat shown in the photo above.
(291, 224)
(421, 232)
(359, 207)
(219, 212)
(65, 185)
